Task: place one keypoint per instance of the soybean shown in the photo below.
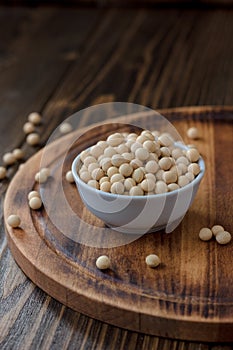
(35, 203)
(216, 229)
(103, 262)
(69, 177)
(148, 163)
(223, 237)
(13, 220)
(153, 260)
(2, 172)
(193, 133)
(205, 234)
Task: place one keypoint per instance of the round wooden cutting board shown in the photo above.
(189, 296)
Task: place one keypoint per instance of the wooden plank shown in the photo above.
(100, 54)
(39, 50)
(159, 55)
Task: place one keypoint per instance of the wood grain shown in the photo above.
(174, 57)
(163, 67)
(28, 54)
(187, 297)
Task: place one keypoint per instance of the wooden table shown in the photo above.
(59, 60)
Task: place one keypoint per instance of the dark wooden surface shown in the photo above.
(58, 61)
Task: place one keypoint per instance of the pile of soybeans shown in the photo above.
(139, 164)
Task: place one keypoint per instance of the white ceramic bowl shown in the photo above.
(138, 214)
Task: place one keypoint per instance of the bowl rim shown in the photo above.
(194, 182)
